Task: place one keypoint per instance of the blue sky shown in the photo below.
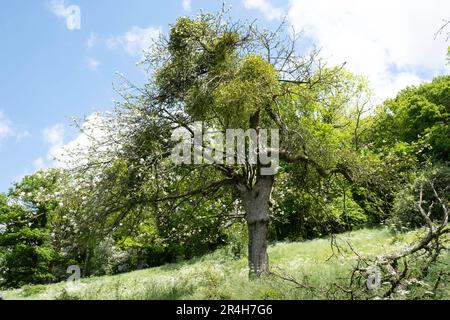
(52, 70)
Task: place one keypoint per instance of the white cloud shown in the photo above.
(186, 5)
(71, 13)
(7, 130)
(270, 11)
(92, 40)
(92, 64)
(5, 127)
(39, 164)
(22, 135)
(391, 42)
(76, 151)
(54, 137)
(134, 41)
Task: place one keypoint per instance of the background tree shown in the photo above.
(418, 119)
(26, 246)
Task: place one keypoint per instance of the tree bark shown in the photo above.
(256, 203)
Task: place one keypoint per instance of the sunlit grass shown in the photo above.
(219, 276)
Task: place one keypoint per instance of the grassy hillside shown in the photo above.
(219, 276)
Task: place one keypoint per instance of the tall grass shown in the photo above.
(220, 276)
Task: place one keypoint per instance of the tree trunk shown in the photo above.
(256, 203)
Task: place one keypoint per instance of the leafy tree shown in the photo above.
(418, 116)
(406, 134)
(406, 213)
(27, 252)
(226, 75)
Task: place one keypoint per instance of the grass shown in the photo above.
(219, 276)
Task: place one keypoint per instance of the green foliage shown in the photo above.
(406, 215)
(251, 88)
(26, 253)
(107, 258)
(30, 290)
(236, 240)
(387, 172)
(418, 116)
(309, 211)
(404, 135)
(66, 295)
(196, 51)
(327, 125)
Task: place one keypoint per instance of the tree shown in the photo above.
(418, 118)
(406, 215)
(224, 75)
(27, 253)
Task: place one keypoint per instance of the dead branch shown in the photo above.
(431, 244)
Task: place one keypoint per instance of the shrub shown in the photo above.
(237, 238)
(406, 215)
(305, 215)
